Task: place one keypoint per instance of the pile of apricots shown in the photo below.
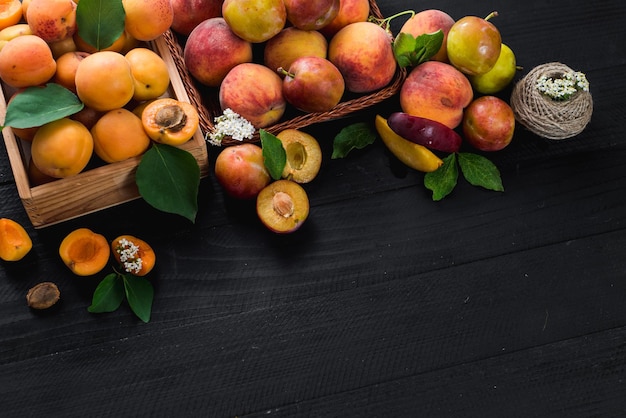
(124, 87)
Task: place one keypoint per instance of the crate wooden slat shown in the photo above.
(94, 189)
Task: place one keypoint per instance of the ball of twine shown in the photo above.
(544, 116)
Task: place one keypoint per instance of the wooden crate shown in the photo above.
(94, 189)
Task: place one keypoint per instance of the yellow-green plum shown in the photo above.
(500, 76)
(430, 21)
(488, 123)
(255, 21)
(474, 44)
(292, 43)
(311, 14)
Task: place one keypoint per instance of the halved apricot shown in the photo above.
(170, 121)
(10, 13)
(135, 255)
(15, 242)
(84, 252)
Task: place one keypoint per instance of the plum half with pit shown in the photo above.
(283, 206)
(304, 155)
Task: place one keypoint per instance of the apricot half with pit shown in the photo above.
(304, 155)
(170, 121)
(283, 206)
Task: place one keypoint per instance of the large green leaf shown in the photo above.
(100, 22)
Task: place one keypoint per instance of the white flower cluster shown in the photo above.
(230, 124)
(563, 88)
(128, 256)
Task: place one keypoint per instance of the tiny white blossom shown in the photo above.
(128, 251)
(562, 88)
(230, 124)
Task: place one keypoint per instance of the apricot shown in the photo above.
(87, 116)
(62, 148)
(25, 134)
(148, 19)
(67, 64)
(84, 252)
(117, 45)
(14, 31)
(150, 73)
(10, 13)
(59, 48)
(135, 255)
(119, 135)
(15, 242)
(170, 121)
(104, 81)
(26, 61)
(283, 206)
(35, 176)
(52, 20)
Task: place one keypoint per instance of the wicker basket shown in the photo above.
(207, 103)
(97, 188)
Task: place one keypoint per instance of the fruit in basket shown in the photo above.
(170, 121)
(292, 43)
(84, 252)
(15, 242)
(135, 255)
(190, 13)
(430, 21)
(488, 123)
(304, 155)
(474, 44)
(413, 155)
(212, 50)
(254, 92)
(500, 76)
(312, 84)
(26, 61)
(62, 148)
(104, 81)
(311, 14)
(363, 53)
(119, 135)
(67, 64)
(438, 91)
(240, 170)
(282, 206)
(52, 20)
(10, 13)
(255, 21)
(147, 19)
(350, 11)
(150, 73)
(426, 132)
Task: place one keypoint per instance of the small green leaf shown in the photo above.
(274, 154)
(109, 294)
(355, 136)
(140, 294)
(100, 22)
(479, 171)
(403, 49)
(443, 180)
(36, 106)
(411, 51)
(168, 178)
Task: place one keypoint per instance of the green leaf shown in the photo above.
(355, 136)
(443, 180)
(109, 294)
(274, 155)
(479, 171)
(411, 51)
(100, 22)
(168, 178)
(36, 106)
(140, 294)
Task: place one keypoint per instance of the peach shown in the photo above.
(67, 64)
(293, 43)
(363, 53)
(146, 20)
(430, 21)
(437, 91)
(254, 92)
(311, 14)
(240, 170)
(350, 11)
(190, 13)
(283, 206)
(26, 61)
(52, 20)
(212, 50)
(488, 123)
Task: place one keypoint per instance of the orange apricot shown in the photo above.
(35, 176)
(147, 19)
(10, 13)
(62, 148)
(67, 64)
(52, 20)
(14, 31)
(116, 46)
(84, 252)
(15, 242)
(150, 73)
(134, 254)
(104, 81)
(87, 116)
(59, 48)
(26, 61)
(119, 135)
(170, 121)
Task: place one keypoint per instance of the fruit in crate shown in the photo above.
(425, 132)
(170, 121)
(312, 84)
(474, 44)
(255, 21)
(190, 13)
(311, 14)
(67, 64)
(26, 61)
(150, 73)
(488, 123)
(292, 43)
(304, 155)
(350, 11)
(500, 76)
(283, 206)
(212, 50)
(437, 91)
(119, 135)
(363, 53)
(254, 92)
(430, 21)
(52, 20)
(146, 20)
(240, 170)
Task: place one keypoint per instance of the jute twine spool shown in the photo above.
(545, 117)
